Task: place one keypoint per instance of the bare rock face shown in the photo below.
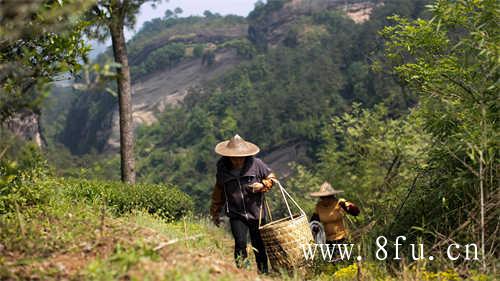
(214, 35)
(280, 158)
(164, 88)
(25, 125)
(273, 26)
(360, 12)
(168, 88)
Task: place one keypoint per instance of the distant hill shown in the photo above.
(170, 56)
(275, 77)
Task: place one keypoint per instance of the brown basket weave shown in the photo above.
(285, 238)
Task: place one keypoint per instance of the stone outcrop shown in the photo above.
(26, 125)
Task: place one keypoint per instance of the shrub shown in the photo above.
(167, 201)
(198, 50)
(23, 192)
(164, 57)
(19, 186)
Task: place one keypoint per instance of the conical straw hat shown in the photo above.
(236, 147)
(325, 189)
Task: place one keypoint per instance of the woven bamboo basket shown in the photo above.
(285, 238)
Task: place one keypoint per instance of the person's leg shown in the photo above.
(240, 234)
(258, 245)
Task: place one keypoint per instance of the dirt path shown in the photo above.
(122, 250)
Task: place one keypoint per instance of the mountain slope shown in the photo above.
(168, 87)
(167, 58)
(297, 69)
(163, 76)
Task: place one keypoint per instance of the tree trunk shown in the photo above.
(124, 104)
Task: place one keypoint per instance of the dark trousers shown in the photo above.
(240, 229)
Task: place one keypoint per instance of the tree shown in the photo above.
(374, 157)
(39, 41)
(110, 17)
(208, 14)
(178, 11)
(452, 62)
(168, 14)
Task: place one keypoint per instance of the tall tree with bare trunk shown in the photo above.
(109, 18)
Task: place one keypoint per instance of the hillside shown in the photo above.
(158, 85)
(63, 237)
(167, 58)
(394, 103)
(60, 229)
(201, 79)
(184, 46)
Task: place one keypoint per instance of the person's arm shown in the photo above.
(217, 203)
(349, 207)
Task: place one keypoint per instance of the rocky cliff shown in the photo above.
(26, 125)
(169, 87)
(156, 91)
(273, 25)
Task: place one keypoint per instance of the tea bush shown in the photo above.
(21, 193)
(167, 201)
(21, 184)
(28, 189)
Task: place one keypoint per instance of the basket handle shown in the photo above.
(285, 194)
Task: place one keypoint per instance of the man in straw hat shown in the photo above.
(241, 181)
(330, 212)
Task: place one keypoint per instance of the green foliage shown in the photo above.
(119, 263)
(378, 160)
(373, 157)
(28, 189)
(244, 48)
(26, 181)
(24, 189)
(278, 97)
(21, 167)
(36, 50)
(451, 61)
(165, 57)
(198, 50)
(165, 200)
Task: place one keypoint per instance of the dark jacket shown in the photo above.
(232, 192)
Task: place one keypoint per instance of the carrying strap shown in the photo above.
(284, 194)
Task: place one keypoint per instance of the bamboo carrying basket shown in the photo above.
(285, 238)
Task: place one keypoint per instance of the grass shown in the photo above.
(73, 239)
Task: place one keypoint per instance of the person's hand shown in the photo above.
(216, 221)
(268, 183)
(256, 187)
(344, 204)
